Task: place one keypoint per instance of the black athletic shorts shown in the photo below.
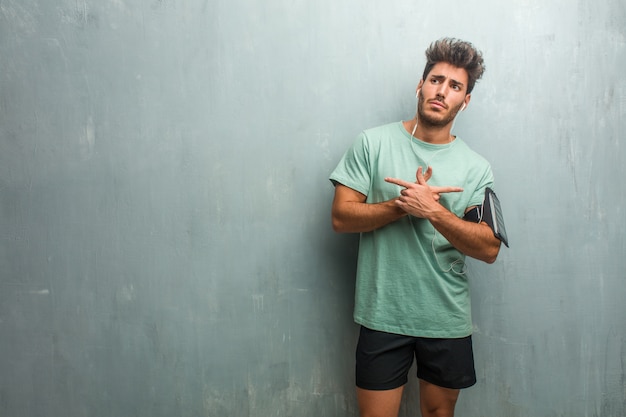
(383, 360)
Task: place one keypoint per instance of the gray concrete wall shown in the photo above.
(165, 243)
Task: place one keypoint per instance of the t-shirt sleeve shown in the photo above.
(353, 169)
(479, 193)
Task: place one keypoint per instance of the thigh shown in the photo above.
(379, 403)
(383, 360)
(437, 401)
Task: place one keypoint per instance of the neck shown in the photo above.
(437, 135)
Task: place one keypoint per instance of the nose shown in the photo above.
(442, 90)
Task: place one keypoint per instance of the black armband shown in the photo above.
(491, 213)
(473, 215)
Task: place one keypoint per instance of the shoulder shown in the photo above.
(476, 158)
(382, 130)
(380, 136)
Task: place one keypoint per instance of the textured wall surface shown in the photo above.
(165, 240)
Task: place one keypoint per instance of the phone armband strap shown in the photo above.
(473, 215)
(491, 213)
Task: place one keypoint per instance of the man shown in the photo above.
(412, 296)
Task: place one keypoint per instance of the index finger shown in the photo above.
(399, 182)
(440, 190)
(420, 176)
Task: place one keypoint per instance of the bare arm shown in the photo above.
(351, 214)
(472, 239)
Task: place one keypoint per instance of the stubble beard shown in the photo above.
(427, 120)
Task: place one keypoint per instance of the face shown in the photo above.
(442, 94)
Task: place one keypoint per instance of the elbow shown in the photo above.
(343, 224)
(338, 225)
(339, 221)
(490, 260)
(491, 254)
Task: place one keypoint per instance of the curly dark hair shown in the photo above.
(459, 53)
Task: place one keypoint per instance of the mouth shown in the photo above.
(438, 104)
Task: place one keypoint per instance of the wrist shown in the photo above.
(439, 214)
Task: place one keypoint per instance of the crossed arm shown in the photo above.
(351, 214)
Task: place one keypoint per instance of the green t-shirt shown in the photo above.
(410, 280)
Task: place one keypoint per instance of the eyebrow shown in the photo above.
(443, 77)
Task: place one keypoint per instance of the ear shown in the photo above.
(468, 97)
(421, 83)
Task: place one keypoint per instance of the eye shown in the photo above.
(456, 87)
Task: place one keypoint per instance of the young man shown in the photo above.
(406, 187)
